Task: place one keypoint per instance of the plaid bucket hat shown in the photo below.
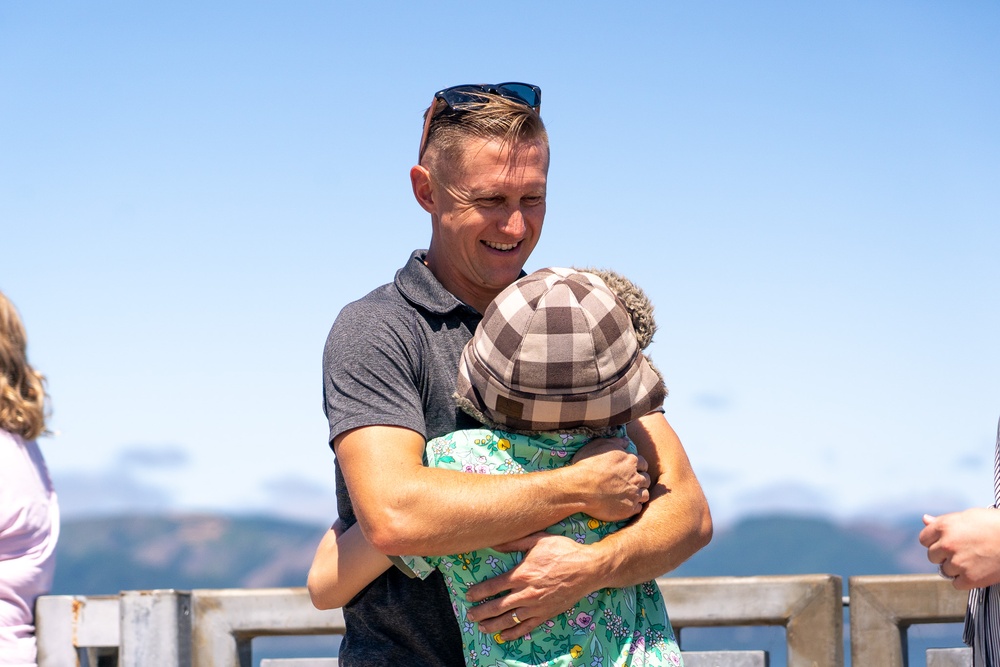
(557, 351)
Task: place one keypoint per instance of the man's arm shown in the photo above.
(557, 571)
(674, 525)
(404, 507)
(966, 546)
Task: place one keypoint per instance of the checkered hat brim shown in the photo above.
(556, 350)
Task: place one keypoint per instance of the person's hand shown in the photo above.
(617, 477)
(555, 574)
(965, 546)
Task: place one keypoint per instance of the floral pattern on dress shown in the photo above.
(612, 627)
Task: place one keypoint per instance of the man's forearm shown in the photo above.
(406, 508)
(440, 512)
(674, 524)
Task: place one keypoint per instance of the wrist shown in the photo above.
(603, 560)
(574, 494)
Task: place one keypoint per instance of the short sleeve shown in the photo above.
(415, 566)
(371, 369)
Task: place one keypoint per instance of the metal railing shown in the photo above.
(215, 628)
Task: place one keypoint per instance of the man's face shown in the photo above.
(487, 215)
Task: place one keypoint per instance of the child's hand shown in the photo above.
(616, 480)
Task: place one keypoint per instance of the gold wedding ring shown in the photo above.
(513, 615)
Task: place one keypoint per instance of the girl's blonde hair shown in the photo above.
(22, 388)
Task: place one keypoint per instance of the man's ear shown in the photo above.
(423, 190)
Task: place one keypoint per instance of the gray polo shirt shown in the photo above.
(391, 359)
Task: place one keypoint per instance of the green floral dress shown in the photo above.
(611, 626)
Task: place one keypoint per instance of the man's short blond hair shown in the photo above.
(22, 388)
(490, 116)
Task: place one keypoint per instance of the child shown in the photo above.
(555, 362)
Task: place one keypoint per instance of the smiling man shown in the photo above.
(390, 366)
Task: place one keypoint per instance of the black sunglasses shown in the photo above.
(456, 96)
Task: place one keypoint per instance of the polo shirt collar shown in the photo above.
(419, 286)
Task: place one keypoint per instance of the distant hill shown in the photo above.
(107, 555)
(805, 545)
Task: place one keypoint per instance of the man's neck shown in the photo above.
(468, 296)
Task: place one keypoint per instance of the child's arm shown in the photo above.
(343, 565)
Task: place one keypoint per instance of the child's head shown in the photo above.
(557, 351)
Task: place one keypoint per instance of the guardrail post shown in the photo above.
(225, 621)
(67, 625)
(884, 606)
(815, 626)
(155, 629)
(809, 606)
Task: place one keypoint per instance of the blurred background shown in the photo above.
(190, 192)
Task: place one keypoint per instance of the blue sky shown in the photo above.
(189, 193)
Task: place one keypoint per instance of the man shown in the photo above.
(390, 365)
(966, 548)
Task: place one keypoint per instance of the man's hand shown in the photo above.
(553, 576)
(623, 477)
(965, 545)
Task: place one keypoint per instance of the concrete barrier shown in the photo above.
(949, 657)
(810, 607)
(215, 628)
(884, 606)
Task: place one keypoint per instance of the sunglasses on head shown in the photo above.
(470, 93)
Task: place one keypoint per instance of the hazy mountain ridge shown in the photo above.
(781, 544)
(110, 554)
(107, 555)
